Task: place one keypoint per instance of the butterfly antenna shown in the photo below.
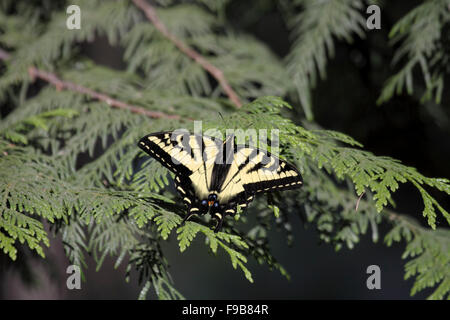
(223, 119)
(227, 137)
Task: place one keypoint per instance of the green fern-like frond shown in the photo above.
(429, 256)
(422, 40)
(315, 30)
(380, 175)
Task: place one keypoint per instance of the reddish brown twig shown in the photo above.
(61, 84)
(66, 85)
(150, 12)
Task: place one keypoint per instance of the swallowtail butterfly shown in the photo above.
(216, 176)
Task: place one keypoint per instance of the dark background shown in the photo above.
(346, 102)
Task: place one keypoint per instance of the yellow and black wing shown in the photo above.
(255, 171)
(190, 157)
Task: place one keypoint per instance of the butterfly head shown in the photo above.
(212, 200)
(211, 203)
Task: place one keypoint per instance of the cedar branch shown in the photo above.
(150, 12)
(67, 85)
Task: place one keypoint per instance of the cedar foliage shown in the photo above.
(121, 203)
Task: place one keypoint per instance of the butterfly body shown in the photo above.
(216, 176)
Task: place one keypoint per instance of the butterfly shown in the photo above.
(217, 176)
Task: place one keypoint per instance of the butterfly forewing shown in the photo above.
(189, 156)
(267, 173)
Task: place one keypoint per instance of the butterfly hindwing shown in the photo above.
(242, 200)
(186, 191)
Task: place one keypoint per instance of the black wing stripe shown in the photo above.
(222, 164)
(203, 147)
(271, 185)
